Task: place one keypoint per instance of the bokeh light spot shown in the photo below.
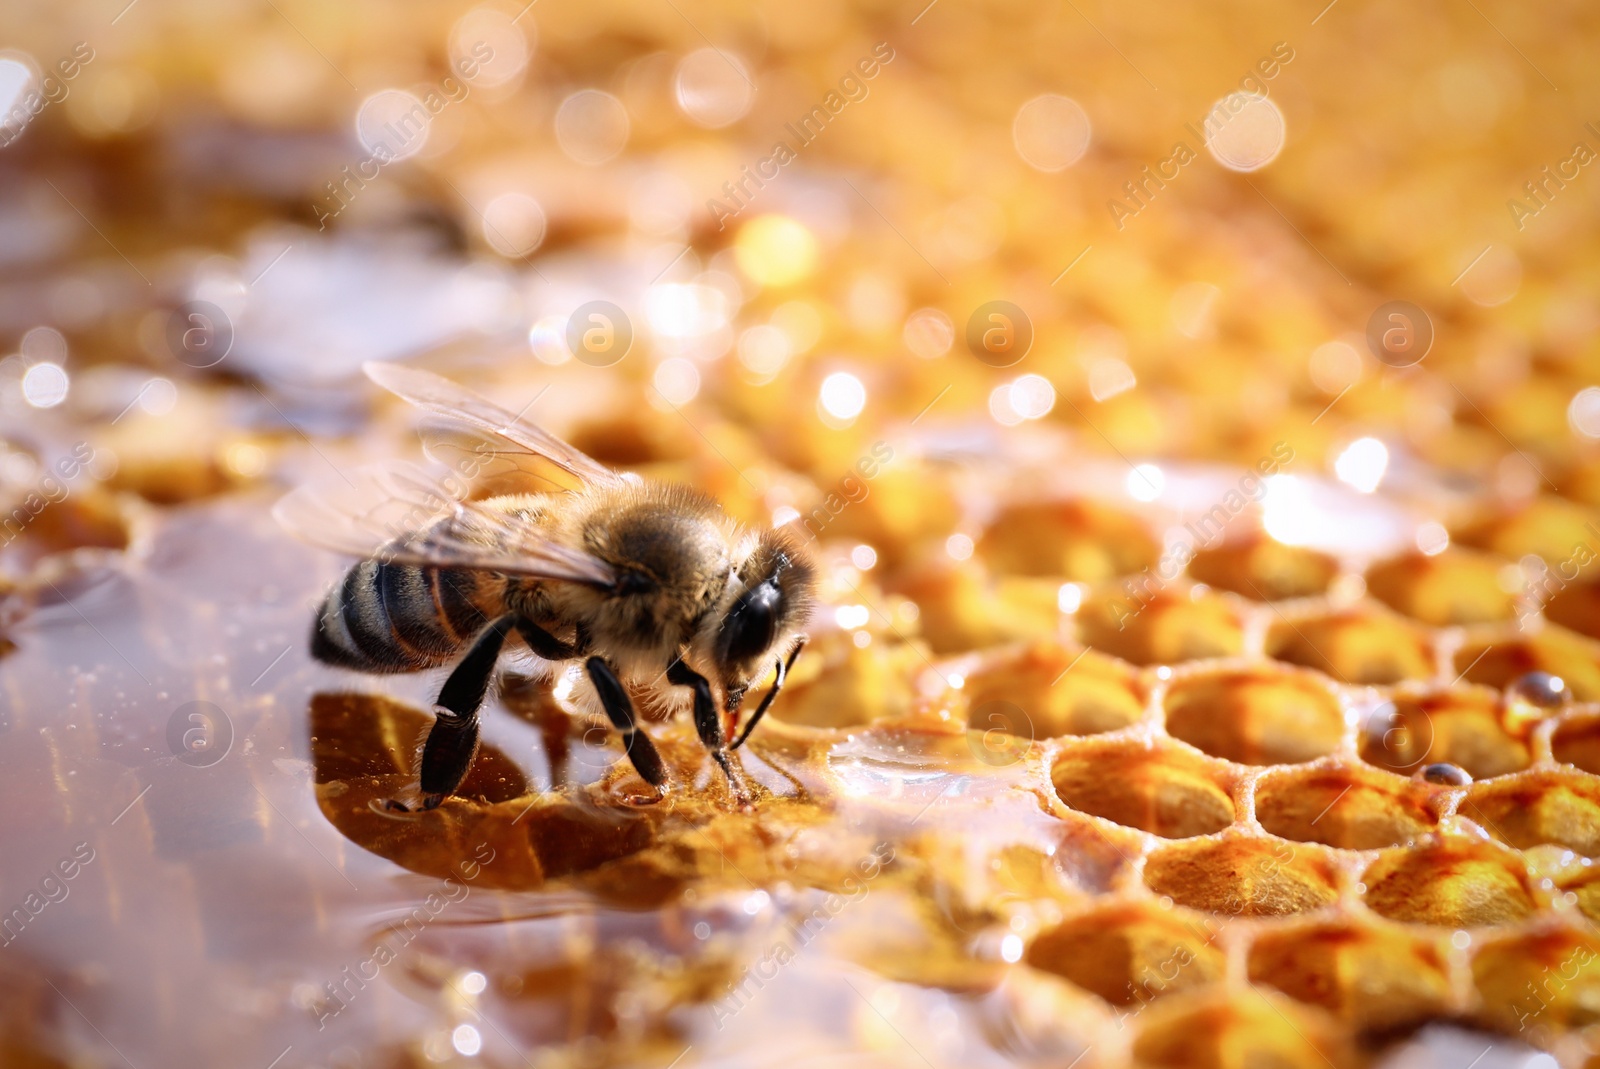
(1245, 132)
(1051, 132)
(1362, 464)
(775, 250)
(713, 88)
(45, 385)
(592, 126)
(842, 396)
(391, 124)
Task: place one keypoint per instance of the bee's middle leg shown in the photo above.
(453, 739)
(544, 644)
(707, 724)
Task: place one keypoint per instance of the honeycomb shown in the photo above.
(1199, 679)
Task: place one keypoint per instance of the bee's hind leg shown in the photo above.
(453, 740)
(707, 724)
(619, 708)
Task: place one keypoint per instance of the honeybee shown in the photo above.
(649, 587)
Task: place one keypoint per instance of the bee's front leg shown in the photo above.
(453, 740)
(619, 708)
(732, 708)
(707, 724)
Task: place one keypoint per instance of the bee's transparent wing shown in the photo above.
(509, 434)
(491, 463)
(398, 512)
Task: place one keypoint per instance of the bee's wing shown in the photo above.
(511, 436)
(398, 512)
(491, 463)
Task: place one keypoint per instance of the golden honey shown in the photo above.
(1195, 416)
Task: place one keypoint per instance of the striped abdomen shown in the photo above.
(388, 617)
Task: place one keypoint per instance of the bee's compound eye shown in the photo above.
(751, 625)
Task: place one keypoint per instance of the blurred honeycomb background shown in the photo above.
(1194, 411)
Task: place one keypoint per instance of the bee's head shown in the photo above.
(776, 585)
